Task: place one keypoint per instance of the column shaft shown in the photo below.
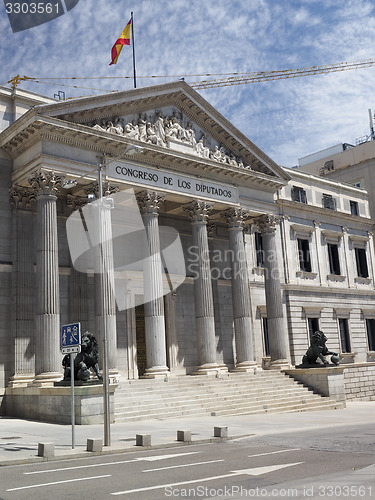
(203, 298)
(153, 289)
(240, 291)
(278, 334)
(47, 348)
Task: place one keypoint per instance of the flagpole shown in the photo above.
(134, 73)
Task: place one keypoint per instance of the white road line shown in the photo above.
(183, 465)
(147, 459)
(248, 472)
(58, 482)
(274, 452)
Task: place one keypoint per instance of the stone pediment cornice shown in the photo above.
(81, 136)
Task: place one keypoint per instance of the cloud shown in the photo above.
(286, 118)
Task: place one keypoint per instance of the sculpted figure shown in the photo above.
(318, 349)
(131, 130)
(99, 126)
(151, 134)
(142, 128)
(85, 360)
(159, 128)
(190, 135)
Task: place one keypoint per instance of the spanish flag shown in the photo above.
(123, 39)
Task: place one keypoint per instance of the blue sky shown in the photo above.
(287, 119)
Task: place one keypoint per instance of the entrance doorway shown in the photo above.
(140, 331)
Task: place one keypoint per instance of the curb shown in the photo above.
(116, 451)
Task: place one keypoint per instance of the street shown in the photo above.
(337, 463)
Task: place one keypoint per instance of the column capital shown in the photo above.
(45, 183)
(75, 202)
(93, 188)
(199, 210)
(236, 217)
(149, 201)
(268, 223)
(21, 197)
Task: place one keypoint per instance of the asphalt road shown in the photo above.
(335, 464)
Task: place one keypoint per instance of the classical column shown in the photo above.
(149, 203)
(23, 288)
(278, 334)
(47, 327)
(240, 291)
(171, 332)
(78, 285)
(104, 281)
(204, 306)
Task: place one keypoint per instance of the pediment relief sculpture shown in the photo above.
(173, 131)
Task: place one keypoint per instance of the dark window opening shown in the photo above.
(361, 260)
(344, 335)
(333, 256)
(298, 194)
(329, 202)
(304, 255)
(370, 326)
(313, 324)
(259, 249)
(354, 210)
(266, 340)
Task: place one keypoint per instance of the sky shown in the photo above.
(287, 119)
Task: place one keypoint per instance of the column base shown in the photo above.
(156, 372)
(210, 369)
(278, 364)
(47, 379)
(21, 380)
(114, 376)
(246, 367)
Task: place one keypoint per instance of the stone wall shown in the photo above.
(359, 381)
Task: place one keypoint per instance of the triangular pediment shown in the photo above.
(173, 117)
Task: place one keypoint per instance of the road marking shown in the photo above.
(148, 459)
(58, 482)
(183, 465)
(274, 452)
(251, 472)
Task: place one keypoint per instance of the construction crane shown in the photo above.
(262, 76)
(237, 79)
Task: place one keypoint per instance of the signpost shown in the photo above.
(70, 344)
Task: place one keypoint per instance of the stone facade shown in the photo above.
(259, 249)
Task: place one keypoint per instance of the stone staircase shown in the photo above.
(230, 394)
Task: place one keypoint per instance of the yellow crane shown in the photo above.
(236, 79)
(262, 76)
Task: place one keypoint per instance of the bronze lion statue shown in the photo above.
(85, 360)
(318, 349)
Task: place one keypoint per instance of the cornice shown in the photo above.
(81, 136)
(324, 214)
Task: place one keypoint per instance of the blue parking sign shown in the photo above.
(71, 338)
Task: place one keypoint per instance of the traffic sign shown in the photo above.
(71, 338)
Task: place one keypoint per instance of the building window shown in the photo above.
(259, 249)
(361, 261)
(313, 325)
(304, 255)
(354, 210)
(298, 194)
(370, 327)
(344, 335)
(266, 341)
(329, 202)
(333, 256)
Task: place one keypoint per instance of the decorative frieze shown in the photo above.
(173, 131)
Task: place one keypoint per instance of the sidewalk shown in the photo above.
(19, 438)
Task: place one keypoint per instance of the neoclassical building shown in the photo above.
(266, 259)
